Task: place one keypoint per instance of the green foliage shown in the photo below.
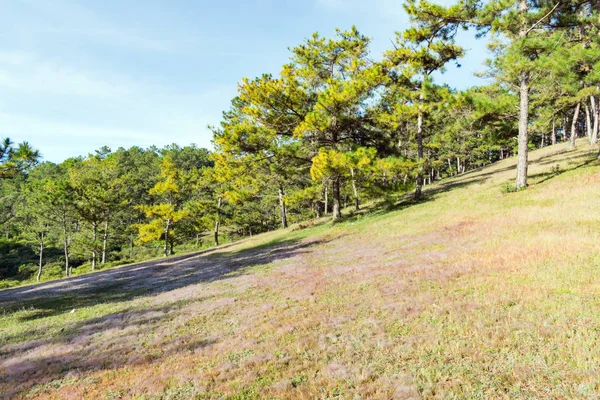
(15, 160)
(335, 126)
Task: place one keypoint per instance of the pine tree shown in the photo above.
(524, 24)
(340, 78)
(168, 191)
(14, 160)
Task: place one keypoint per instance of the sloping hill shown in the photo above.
(470, 293)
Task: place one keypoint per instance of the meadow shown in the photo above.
(476, 291)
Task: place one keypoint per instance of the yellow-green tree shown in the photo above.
(340, 78)
(167, 212)
(331, 165)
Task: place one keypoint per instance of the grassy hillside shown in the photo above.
(472, 293)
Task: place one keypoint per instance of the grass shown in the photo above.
(475, 292)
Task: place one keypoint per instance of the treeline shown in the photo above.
(336, 127)
(98, 209)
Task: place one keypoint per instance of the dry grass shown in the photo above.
(470, 294)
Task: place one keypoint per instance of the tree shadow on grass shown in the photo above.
(40, 355)
(546, 176)
(560, 156)
(467, 179)
(429, 194)
(144, 279)
(129, 338)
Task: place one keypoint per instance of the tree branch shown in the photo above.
(543, 18)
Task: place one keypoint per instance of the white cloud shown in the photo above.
(145, 118)
(29, 73)
(117, 37)
(14, 58)
(42, 128)
(50, 103)
(72, 19)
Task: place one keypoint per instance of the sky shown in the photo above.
(78, 75)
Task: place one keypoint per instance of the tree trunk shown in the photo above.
(39, 274)
(574, 127)
(130, 247)
(457, 165)
(66, 248)
(217, 222)
(105, 242)
(166, 245)
(284, 223)
(337, 212)
(588, 123)
(356, 200)
(553, 137)
(6, 232)
(419, 186)
(523, 141)
(326, 200)
(419, 183)
(95, 236)
(216, 233)
(596, 115)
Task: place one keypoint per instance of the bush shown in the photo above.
(8, 283)
(510, 188)
(27, 271)
(53, 270)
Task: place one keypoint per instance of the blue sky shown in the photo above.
(77, 75)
